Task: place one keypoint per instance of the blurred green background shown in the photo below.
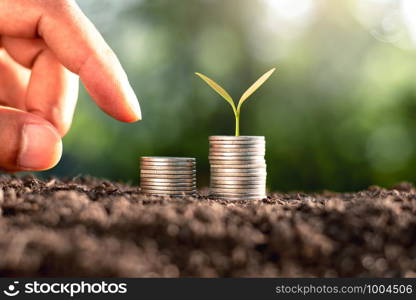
(339, 113)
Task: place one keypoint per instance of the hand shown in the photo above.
(43, 45)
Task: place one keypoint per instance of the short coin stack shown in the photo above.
(173, 176)
(238, 167)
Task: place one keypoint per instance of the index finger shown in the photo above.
(78, 46)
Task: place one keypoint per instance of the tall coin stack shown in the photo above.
(172, 176)
(238, 167)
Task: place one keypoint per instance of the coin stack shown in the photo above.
(238, 167)
(172, 176)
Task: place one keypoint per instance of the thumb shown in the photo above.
(27, 142)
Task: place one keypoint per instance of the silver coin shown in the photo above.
(224, 173)
(231, 139)
(247, 176)
(239, 179)
(172, 192)
(243, 153)
(160, 188)
(254, 176)
(242, 166)
(167, 172)
(238, 170)
(169, 180)
(171, 169)
(178, 191)
(249, 151)
(259, 188)
(236, 183)
(236, 138)
(157, 187)
(167, 176)
(259, 166)
(241, 143)
(240, 148)
(167, 159)
(214, 152)
(167, 188)
(237, 146)
(246, 153)
(164, 184)
(237, 143)
(236, 162)
(244, 175)
(237, 186)
(175, 184)
(237, 154)
(238, 166)
(243, 179)
(167, 165)
(170, 195)
(247, 158)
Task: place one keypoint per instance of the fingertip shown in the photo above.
(132, 101)
(108, 85)
(60, 119)
(40, 147)
(136, 114)
(130, 118)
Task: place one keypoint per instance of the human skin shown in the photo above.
(46, 46)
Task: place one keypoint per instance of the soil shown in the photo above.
(92, 227)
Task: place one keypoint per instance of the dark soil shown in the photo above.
(92, 227)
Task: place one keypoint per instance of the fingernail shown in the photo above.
(133, 101)
(40, 147)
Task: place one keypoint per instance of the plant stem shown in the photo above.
(237, 124)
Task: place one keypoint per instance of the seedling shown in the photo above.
(223, 93)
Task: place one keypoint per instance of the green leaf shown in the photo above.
(216, 87)
(254, 87)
